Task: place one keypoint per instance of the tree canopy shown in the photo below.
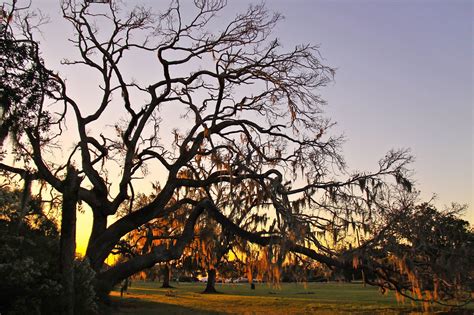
(227, 124)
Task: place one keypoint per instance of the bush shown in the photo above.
(84, 291)
(29, 263)
(28, 254)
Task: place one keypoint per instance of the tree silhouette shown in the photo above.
(424, 253)
(224, 119)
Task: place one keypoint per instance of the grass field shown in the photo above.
(314, 298)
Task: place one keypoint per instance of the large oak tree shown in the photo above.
(225, 120)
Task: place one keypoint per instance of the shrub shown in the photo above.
(29, 263)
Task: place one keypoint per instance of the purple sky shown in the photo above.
(404, 79)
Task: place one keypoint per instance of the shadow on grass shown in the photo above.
(132, 305)
(147, 298)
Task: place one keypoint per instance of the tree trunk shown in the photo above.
(106, 239)
(67, 241)
(211, 281)
(106, 279)
(99, 225)
(166, 276)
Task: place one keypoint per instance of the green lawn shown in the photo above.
(320, 298)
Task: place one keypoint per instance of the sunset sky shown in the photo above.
(404, 80)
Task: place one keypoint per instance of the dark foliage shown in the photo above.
(24, 84)
(29, 262)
